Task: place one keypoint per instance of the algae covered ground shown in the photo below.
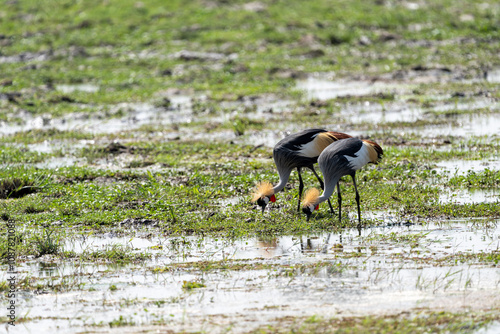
(132, 134)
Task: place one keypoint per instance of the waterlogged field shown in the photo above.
(132, 134)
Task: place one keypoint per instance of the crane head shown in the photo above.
(263, 194)
(264, 200)
(310, 202)
(308, 210)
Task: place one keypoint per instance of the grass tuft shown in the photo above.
(16, 187)
(48, 244)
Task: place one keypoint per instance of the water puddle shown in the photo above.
(465, 125)
(259, 108)
(389, 114)
(59, 162)
(396, 111)
(87, 88)
(376, 113)
(462, 167)
(136, 116)
(493, 76)
(267, 138)
(262, 279)
(286, 248)
(478, 103)
(473, 124)
(45, 146)
(82, 243)
(469, 196)
(439, 236)
(322, 89)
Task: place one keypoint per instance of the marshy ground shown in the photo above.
(133, 132)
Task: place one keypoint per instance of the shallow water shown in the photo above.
(389, 268)
(466, 125)
(493, 76)
(469, 196)
(323, 89)
(461, 167)
(136, 115)
(389, 115)
(460, 125)
(87, 88)
(474, 124)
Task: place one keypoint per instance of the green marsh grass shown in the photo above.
(202, 176)
(216, 52)
(48, 243)
(128, 60)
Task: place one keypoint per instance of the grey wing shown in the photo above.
(333, 162)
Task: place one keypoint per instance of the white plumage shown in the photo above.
(362, 158)
(310, 149)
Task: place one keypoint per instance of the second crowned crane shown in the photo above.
(341, 158)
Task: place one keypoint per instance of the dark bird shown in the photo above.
(341, 158)
(296, 151)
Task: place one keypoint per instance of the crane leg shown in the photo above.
(331, 207)
(323, 187)
(301, 188)
(340, 202)
(357, 197)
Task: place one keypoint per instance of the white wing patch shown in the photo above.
(362, 157)
(309, 150)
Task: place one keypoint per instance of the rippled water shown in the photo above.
(390, 268)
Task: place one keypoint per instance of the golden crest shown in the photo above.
(262, 189)
(311, 197)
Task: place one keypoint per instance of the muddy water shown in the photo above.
(467, 197)
(322, 89)
(87, 88)
(388, 269)
(465, 126)
(459, 125)
(461, 167)
(136, 115)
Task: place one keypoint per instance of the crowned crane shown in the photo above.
(341, 158)
(297, 150)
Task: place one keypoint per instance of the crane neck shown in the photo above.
(284, 176)
(329, 188)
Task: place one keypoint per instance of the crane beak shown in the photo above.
(262, 203)
(308, 214)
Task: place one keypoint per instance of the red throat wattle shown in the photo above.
(317, 207)
(272, 198)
